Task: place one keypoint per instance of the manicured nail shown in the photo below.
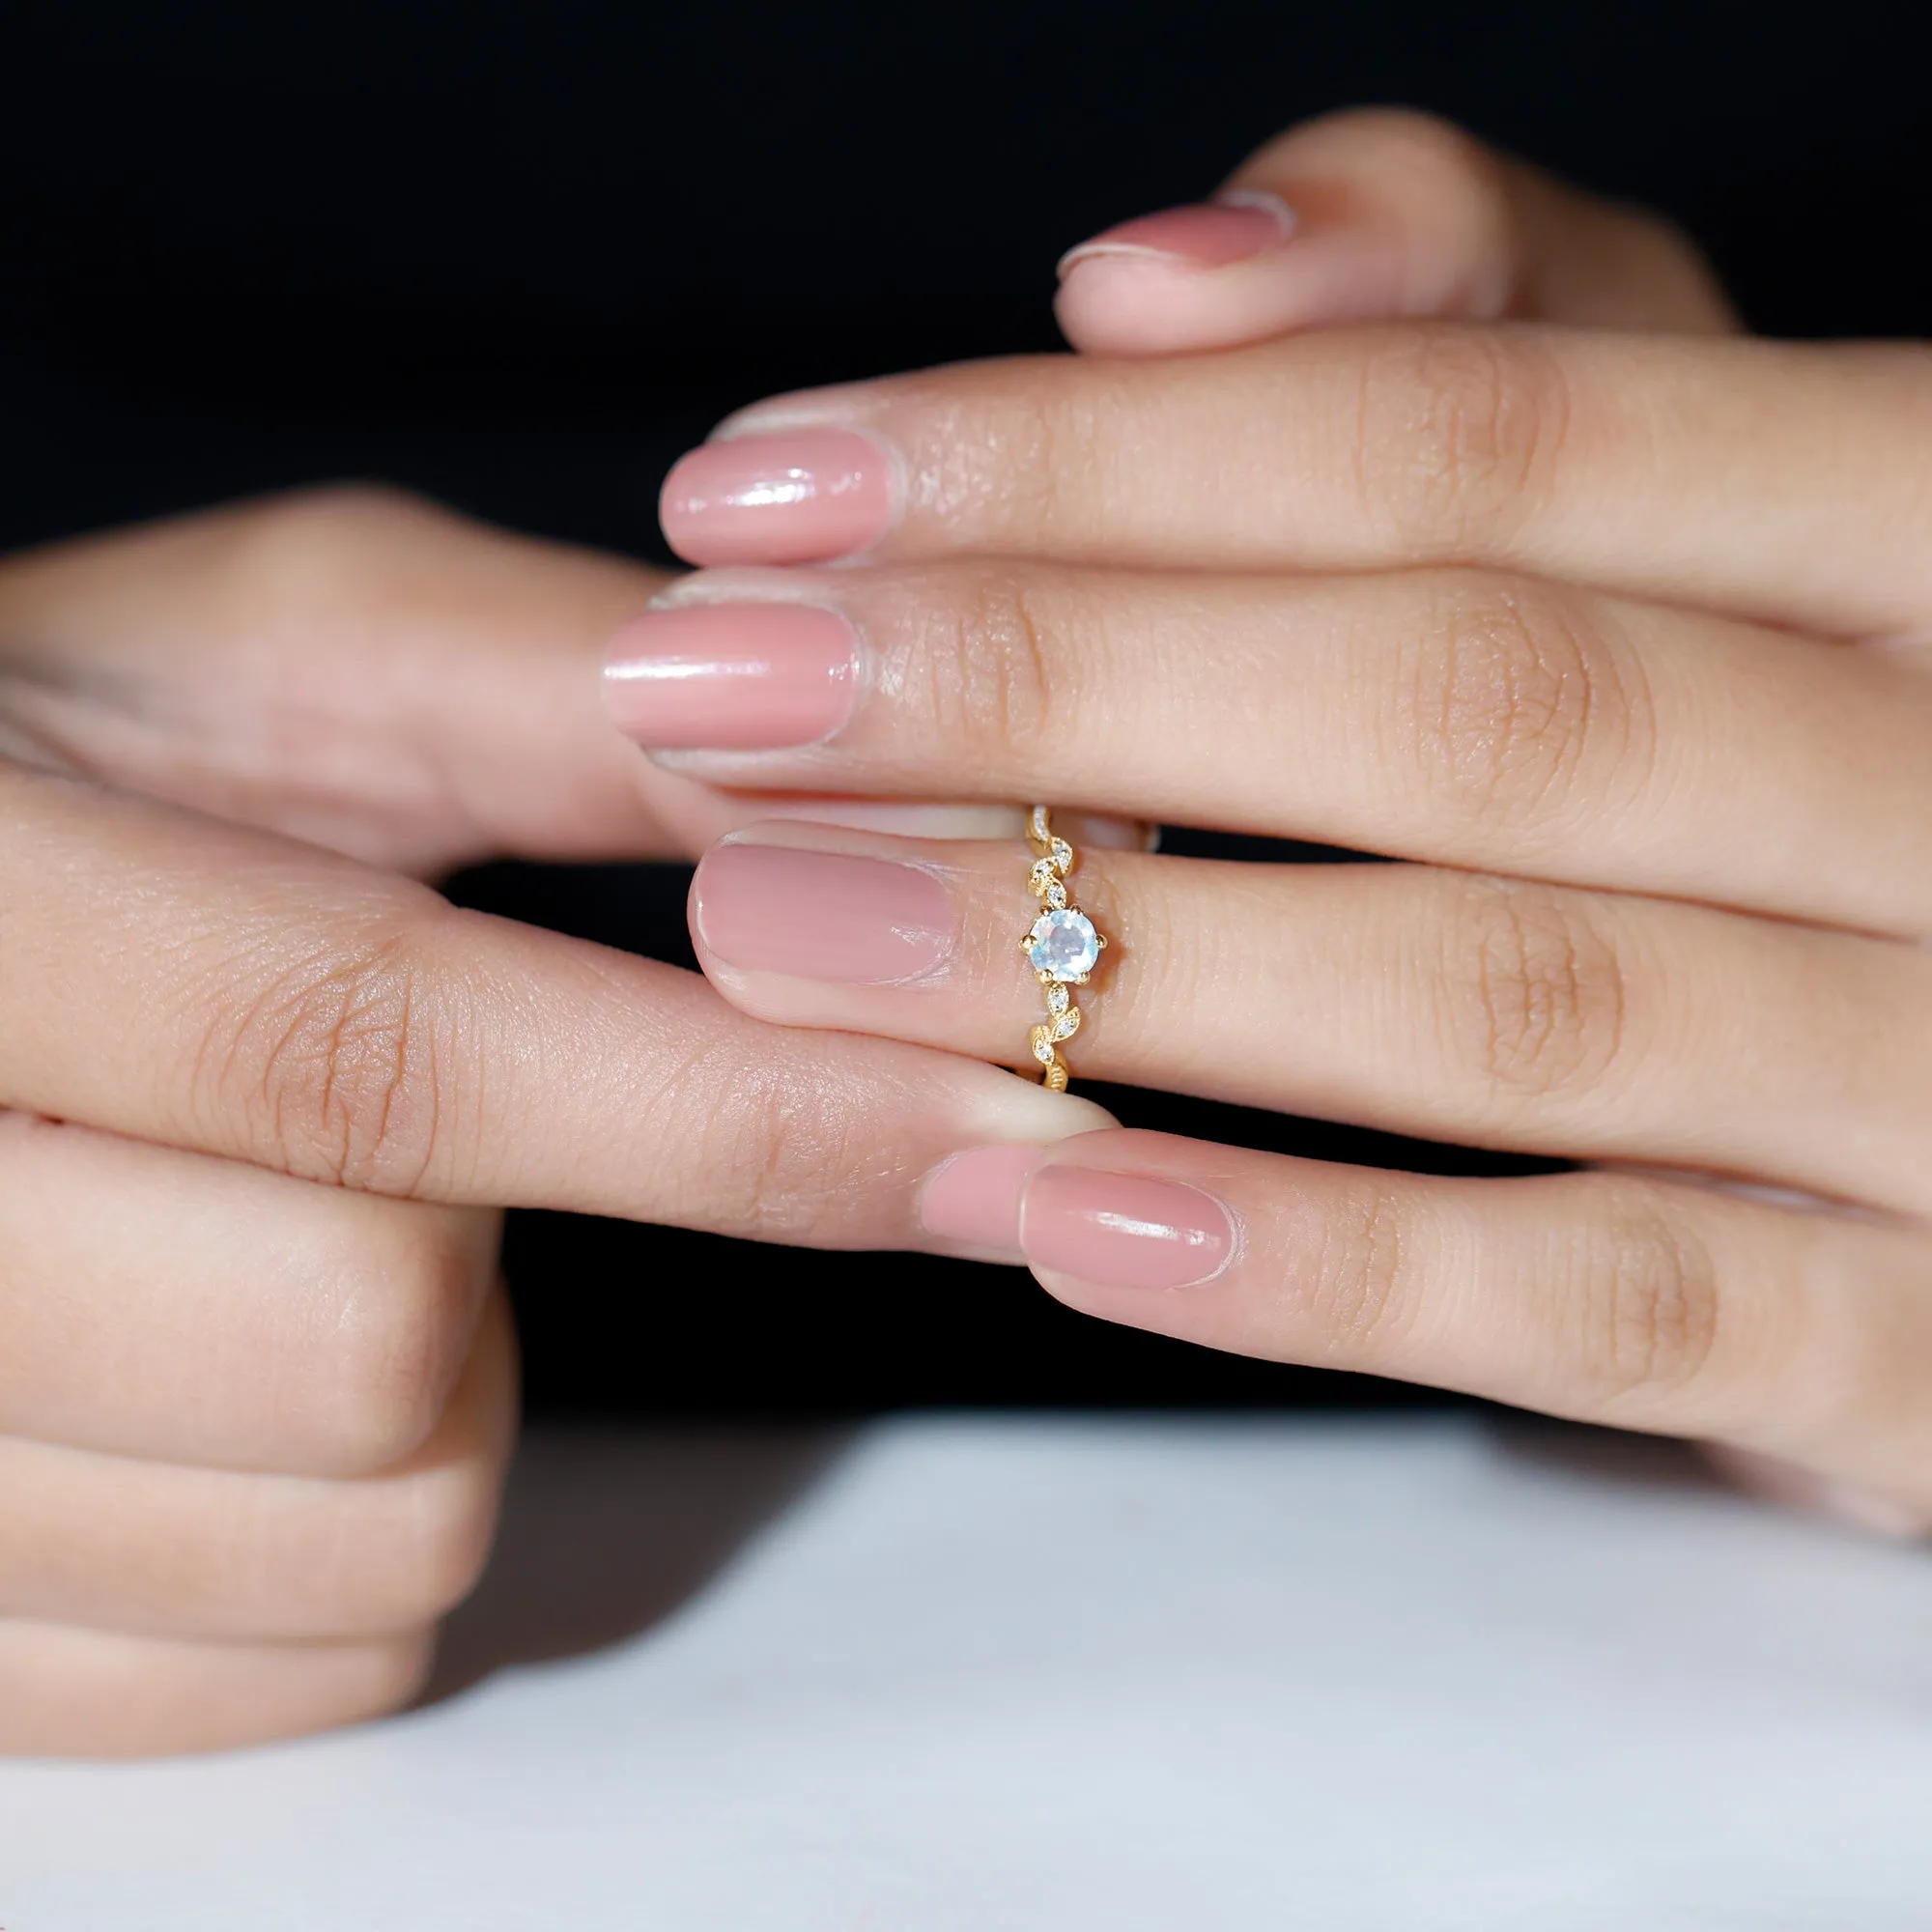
(975, 1197)
(822, 915)
(1209, 235)
(801, 496)
(1123, 1230)
(733, 677)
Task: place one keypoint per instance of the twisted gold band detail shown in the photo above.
(1062, 946)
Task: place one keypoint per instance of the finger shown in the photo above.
(1463, 717)
(363, 671)
(162, 1550)
(67, 1692)
(206, 988)
(171, 1305)
(1399, 997)
(1778, 481)
(1373, 215)
(1599, 1296)
(353, 666)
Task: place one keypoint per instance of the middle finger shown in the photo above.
(1459, 716)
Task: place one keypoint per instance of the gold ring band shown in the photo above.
(1062, 946)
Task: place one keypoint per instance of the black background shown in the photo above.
(518, 256)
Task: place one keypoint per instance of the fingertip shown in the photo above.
(1140, 304)
(1235, 227)
(806, 494)
(1172, 281)
(1365, 216)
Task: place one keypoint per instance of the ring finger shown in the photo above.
(1404, 997)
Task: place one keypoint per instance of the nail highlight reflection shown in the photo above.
(731, 677)
(798, 496)
(821, 915)
(1123, 1230)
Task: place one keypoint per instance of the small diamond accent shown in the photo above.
(1064, 945)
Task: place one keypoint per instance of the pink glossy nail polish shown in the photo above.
(1209, 235)
(731, 677)
(797, 496)
(821, 915)
(975, 1197)
(1123, 1230)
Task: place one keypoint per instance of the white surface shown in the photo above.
(1021, 1676)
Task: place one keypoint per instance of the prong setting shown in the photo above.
(1062, 945)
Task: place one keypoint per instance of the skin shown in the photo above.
(1611, 625)
(264, 1094)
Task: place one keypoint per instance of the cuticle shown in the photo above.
(1265, 198)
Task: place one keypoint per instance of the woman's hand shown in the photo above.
(1617, 640)
(259, 1102)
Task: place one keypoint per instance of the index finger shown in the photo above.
(190, 982)
(1785, 482)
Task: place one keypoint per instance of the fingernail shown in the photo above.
(822, 915)
(805, 496)
(1209, 235)
(733, 677)
(1123, 1230)
(975, 1197)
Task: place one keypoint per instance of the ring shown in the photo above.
(1062, 946)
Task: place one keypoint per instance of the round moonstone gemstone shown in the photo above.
(1064, 945)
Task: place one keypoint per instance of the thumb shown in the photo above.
(1372, 215)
